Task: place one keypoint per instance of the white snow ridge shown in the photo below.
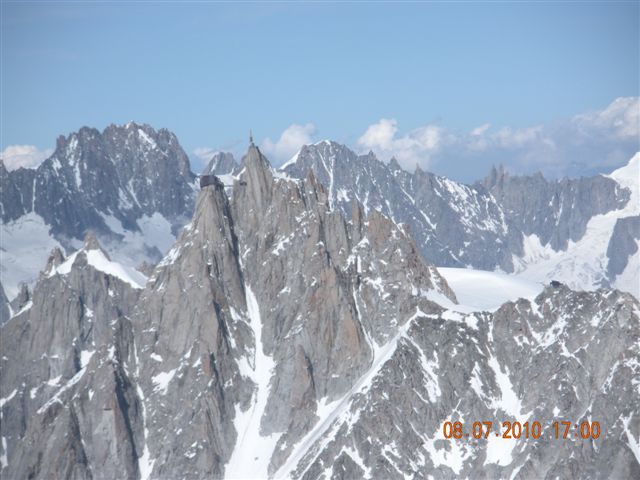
(253, 450)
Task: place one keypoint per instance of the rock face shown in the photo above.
(623, 245)
(529, 225)
(5, 308)
(282, 298)
(222, 163)
(130, 184)
(454, 225)
(124, 171)
(278, 338)
(556, 211)
(70, 409)
(562, 356)
(606, 254)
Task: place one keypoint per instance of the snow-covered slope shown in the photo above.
(584, 263)
(102, 263)
(25, 244)
(629, 279)
(479, 290)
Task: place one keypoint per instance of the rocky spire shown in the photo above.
(221, 163)
(91, 243)
(394, 165)
(22, 299)
(56, 257)
(256, 180)
(5, 310)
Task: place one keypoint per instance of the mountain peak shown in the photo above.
(255, 164)
(256, 178)
(221, 163)
(394, 165)
(91, 243)
(56, 258)
(92, 254)
(496, 175)
(255, 156)
(628, 174)
(131, 184)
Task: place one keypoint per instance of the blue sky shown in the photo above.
(211, 71)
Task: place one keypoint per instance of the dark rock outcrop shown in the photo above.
(623, 244)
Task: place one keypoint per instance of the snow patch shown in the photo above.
(27, 306)
(452, 454)
(162, 380)
(509, 401)
(98, 260)
(252, 453)
(145, 463)
(136, 246)
(53, 382)
(146, 138)
(479, 290)
(8, 398)
(156, 231)
(25, 244)
(85, 357)
(280, 246)
(56, 397)
(499, 450)
(634, 443)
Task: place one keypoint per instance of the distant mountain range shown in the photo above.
(584, 232)
(133, 187)
(130, 184)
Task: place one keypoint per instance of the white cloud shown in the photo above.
(27, 156)
(620, 119)
(581, 145)
(380, 136)
(291, 140)
(416, 147)
(204, 153)
(518, 137)
(481, 130)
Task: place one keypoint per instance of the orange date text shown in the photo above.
(514, 430)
